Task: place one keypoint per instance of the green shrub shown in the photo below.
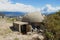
(52, 24)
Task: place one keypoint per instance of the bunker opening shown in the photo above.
(23, 29)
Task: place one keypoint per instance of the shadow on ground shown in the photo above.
(12, 28)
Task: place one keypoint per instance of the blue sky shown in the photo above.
(38, 3)
(30, 5)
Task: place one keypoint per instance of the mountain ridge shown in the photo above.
(12, 13)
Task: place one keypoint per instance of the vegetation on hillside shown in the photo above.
(11, 19)
(52, 24)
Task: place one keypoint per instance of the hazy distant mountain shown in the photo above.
(22, 13)
(12, 13)
(1, 14)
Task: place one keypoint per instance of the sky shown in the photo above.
(38, 3)
(30, 5)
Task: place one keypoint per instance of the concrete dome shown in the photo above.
(33, 17)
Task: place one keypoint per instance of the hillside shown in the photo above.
(53, 25)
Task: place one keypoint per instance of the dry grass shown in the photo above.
(7, 34)
(5, 31)
(16, 38)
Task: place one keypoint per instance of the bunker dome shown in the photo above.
(33, 17)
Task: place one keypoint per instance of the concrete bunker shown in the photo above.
(29, 21)
(22, 27)
(35, 19)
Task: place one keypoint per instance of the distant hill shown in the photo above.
(18, 13)
(13, 13)
(1, 14)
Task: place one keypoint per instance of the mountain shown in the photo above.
(13, 13)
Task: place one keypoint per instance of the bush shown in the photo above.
(52, 24)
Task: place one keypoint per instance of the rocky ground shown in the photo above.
(7, 34)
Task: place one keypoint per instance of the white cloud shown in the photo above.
(49, 8)
(5, 5)
(3, 1)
